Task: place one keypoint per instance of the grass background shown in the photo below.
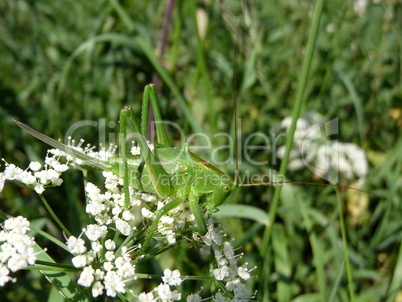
(67, 61)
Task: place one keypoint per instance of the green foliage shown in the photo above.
(61, 67)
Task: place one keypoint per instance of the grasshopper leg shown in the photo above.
(157, 173)
(199, 217)
(161, 212)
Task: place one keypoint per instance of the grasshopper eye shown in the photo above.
(227, 188)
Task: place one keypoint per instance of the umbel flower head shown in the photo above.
(16, 248)
(34, 177)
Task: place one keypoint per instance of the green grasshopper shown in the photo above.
(168, 172)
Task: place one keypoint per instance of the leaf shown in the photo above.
(60, 279)
(243, 211)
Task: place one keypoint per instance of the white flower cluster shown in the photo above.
(33, 177)
(110, 207)
(172, 221)
(103, 154)
(103, 268)
(163, 292)
(324, 158)
(228, 270)
(16, 248)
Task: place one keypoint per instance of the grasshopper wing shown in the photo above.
(67, 149)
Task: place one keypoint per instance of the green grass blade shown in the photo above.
(289, 140)
(337, 283)
(318, 251)
(345, 247)
(357, 102)
(396, 278)
(281, 262)
(243, 211)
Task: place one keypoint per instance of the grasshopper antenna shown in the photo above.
(236, 124)
(309, 183)
(236, 140)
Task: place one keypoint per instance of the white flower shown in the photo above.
(166, 294)
(220, 298)
(172, 277)
(92, 191)
(171, 237)
(79, 261)
(96, 246)
(97, 289)
(167, 220)
(16, 263)
(127, 216)
(212, 236)
(193, 298)
(146, 297)
(112, 181)
(113, 283)
(110, 245)
(123, 227)
(76, 245)
(4, 275)
(16, 247)
(126, 253)
(295, 164)
(35, 166)
(220, 273)
(99, 274)
(17, 224)
(12, 171)
(39, 189)
(239, 289)
(90, 256)
(95, 232)
(27, 178)
(147, 213)
(109, 256)
(56, 165)
(86, 276)
(135, 150)
(108, 266)
(50, 175)
(220, 259)
(126, 270)
(94, 208)
(2, 181)
(360, 6)
(148, 197)
(243, 272)
(228, 251)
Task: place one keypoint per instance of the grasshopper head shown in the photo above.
(219, 195)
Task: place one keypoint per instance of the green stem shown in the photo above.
(263, 276)
(54, 216)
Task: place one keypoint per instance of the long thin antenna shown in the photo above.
(309, 183)
(236, 140)
(236, 125)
